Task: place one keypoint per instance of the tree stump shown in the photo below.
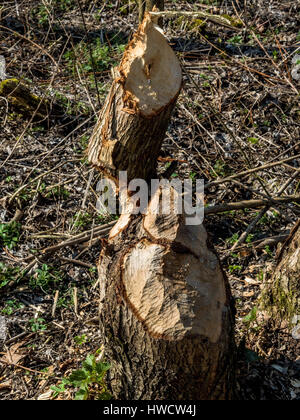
(165, 305)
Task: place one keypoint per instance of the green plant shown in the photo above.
(235, 40)
(58, 192)
(84, 141)
(267, 123)
(203, 76)
(233, 239)
(60, 388)
(89, 380)
(253, 140)
(220, 169)
(10, 233)
(95, 56)
(37, 128)
(73, 107)
(251, 317)
(25, 194)
(37, 324)
(93, 270)
(275, 55)
(249, 238)
(64, 301)
(7, 274)
(234, 255)
(43, 11)
(268, 251)
(45, 278)
(192, 175)
(80, 339)
(261, 276)
(10, 306)
(83, 219)
(268, 218)
(233, 268)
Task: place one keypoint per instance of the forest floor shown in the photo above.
(238, 109)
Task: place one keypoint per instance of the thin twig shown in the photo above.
(102, 231)
(251, 171)
(250, 204)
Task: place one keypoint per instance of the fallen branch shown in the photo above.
(76, 262)
(249, 229)
(254, 222)
(250, 204)
(251, 171)
(219, 20)
(272, 240)
(101, 230)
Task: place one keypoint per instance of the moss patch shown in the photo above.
(279, 303)
(237, 23)
(22, 99)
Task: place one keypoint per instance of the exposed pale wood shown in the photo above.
(165, 311)
(135, 116)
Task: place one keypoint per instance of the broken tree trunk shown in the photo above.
(165, 304)
(135, 116)
(281, 295)
(147, 6)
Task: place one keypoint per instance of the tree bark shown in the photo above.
(135, 116)
(166, 311)
(147, 6)
(281, 295)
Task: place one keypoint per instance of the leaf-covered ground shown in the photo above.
(238, 110)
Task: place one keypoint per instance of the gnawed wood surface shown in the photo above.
(135, 116)
(166, 311)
